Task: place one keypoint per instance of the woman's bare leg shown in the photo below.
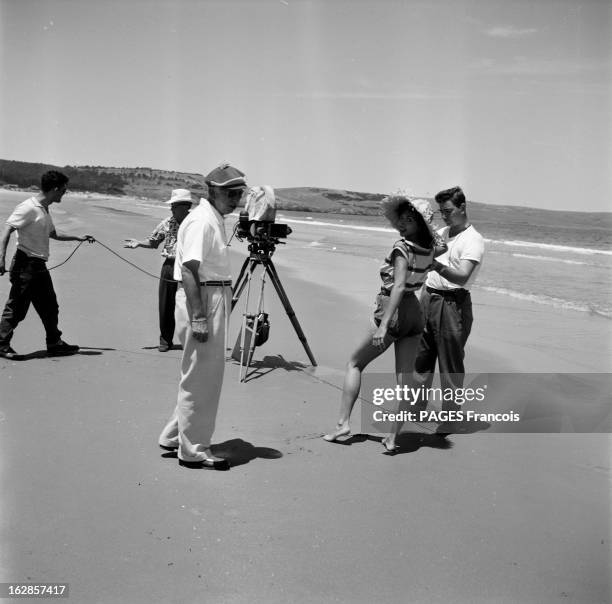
(405, 355)
(364, 355)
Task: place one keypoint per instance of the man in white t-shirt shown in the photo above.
(203, 302)
(30, 279)
(446, 300)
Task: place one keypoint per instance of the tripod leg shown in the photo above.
(256, 318)
(278, 286)
(245, 323)
(243, 278)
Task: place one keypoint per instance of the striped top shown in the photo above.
(419, 260)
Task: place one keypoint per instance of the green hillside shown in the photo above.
(148, 183)
(134, 182)
(154, 184)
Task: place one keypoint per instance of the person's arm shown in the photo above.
(400, 270)
(458, 275)
(152, 241)
(5, 236)
(197, 299)
(440, 246)
(58, 237)
(134, 243)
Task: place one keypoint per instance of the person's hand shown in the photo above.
(88, 238)
(437, 266)
(131, 243)
(378, 339)
(199, 327)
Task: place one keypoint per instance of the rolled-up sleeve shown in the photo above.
(474, 250)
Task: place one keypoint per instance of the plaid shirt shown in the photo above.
(165, 231)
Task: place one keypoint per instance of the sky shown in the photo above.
(509, 99)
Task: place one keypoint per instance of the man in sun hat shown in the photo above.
(203, 302)
(446, 299)
(180, 203)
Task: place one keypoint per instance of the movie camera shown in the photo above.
(260, 229)
(256, 225)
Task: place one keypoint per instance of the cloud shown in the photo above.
(508, 31)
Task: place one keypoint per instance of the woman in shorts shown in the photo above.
(398, 318)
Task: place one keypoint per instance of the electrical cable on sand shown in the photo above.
(303, 370)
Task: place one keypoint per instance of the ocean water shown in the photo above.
(566, 263)
(557, 259)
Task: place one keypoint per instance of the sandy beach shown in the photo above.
(89, 499)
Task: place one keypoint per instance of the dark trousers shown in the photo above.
(30, 284)
(167, 293)
(448, 322)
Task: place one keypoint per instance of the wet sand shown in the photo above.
(88, 498)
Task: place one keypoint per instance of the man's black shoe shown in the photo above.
(61, 348)
(7, 352)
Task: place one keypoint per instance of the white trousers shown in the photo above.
(193, 421)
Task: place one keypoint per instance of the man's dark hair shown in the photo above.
(52, 180)
(454, 194)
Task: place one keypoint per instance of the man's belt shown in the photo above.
(457, 293)
(217, 283)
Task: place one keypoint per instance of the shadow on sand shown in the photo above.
(42, 354)
(407, 442)
(237, 452)
(259, 369)
(173, 347)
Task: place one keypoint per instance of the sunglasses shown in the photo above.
(234, 193)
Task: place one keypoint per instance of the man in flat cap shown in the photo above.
(166, 231)
(203, 301)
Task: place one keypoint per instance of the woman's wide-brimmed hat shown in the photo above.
(390, 204)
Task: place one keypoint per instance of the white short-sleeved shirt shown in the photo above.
(201, 237)
(34, 225)
(466, 245)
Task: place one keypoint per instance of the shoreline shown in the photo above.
(308, 254)
(88, 497)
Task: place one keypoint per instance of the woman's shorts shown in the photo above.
(407, 320)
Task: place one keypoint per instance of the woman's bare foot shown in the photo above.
(341, 430)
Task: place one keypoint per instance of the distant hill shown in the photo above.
(154, 184)
(134, 182)
(149, 183)
(312, 199)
